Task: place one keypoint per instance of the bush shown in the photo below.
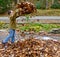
(5, 5)
(56, 6)
(3, 25)
(40, 5)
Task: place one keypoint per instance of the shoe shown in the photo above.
(4, 45)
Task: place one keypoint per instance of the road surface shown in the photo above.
(42, 19)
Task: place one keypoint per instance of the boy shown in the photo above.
(11, 35)
(21, 9)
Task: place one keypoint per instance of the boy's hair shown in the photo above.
(9, 12)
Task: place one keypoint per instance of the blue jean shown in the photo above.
(11, 35)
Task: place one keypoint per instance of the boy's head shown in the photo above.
(10, 12)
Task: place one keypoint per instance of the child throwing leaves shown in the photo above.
(21, 9)
(12, 27)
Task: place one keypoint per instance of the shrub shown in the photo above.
(5, 5)
(56, 6)
(1, 24)
(40, 5)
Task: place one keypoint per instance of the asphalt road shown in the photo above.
(53, 19)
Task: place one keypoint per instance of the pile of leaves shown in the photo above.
(31, 48)
(26, 8)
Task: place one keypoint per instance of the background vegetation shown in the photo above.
(5, 5)
(32, 26)
(40, 4)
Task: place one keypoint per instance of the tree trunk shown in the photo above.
(18, 1)
(15, 1)
(46, 4)
(52, 1)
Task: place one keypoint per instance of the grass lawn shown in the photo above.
(41, 12)
(51, 12)
(38, 27)
(32, 26)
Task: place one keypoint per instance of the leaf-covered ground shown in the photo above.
(31, 48)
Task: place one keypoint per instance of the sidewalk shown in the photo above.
(36, 19)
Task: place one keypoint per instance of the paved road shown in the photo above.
(43, 19)
(4, 33)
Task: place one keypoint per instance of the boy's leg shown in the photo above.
(8, 37)
(13, 37)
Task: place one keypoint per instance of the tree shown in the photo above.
(15, 1)
(52, 1)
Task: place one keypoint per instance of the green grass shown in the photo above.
(41, 12)
(32, 26)
(50, 12)
(39, 27)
